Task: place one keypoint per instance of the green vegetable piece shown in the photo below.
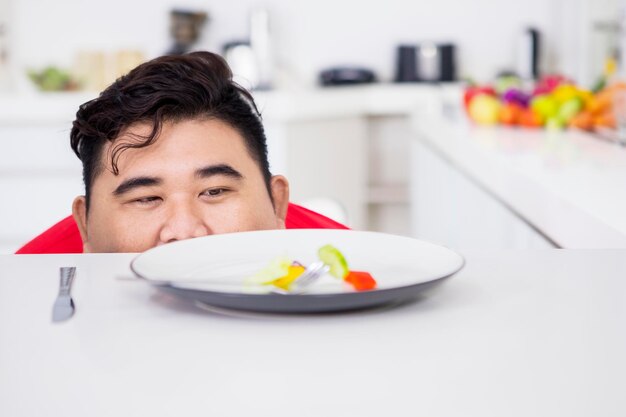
(335, 260)
(599, 85)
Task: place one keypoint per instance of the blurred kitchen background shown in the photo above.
(308, 36)
(348, 150)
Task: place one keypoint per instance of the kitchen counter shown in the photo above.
(276, 105)
(514, 333)
(569, 185)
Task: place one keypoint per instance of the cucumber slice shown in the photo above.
(335, 260)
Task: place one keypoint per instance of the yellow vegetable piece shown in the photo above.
(285, 282)
(277, 268)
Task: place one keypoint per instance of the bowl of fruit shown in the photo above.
(554, 102)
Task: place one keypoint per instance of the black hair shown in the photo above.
(198, 85)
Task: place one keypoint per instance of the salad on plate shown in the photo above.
(282, 273)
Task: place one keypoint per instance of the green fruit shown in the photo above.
(50, 79)
(570, 109)
(545, 105)
(507, 82)
(335, 260)
(555, 123)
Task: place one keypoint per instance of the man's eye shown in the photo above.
(214, 192)
(146, 200)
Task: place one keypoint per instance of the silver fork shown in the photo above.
(63, 307)
(311, 274)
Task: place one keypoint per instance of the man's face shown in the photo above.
(197, 179)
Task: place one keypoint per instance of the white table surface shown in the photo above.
(536, 333)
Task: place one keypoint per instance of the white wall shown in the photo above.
(5, 11)
(309, 35)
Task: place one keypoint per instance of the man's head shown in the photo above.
(173, 150)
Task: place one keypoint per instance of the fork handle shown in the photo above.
(67, 276)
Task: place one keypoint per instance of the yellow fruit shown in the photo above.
(484, 109)
(564, 92)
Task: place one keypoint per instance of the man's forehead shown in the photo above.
(135, 134)
(136, 143)
(143, 128)
(134, 139)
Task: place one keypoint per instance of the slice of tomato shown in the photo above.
(361, 280)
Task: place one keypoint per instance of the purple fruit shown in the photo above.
(516, 96)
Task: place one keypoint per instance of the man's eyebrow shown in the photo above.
(221, 169)
(136, 182)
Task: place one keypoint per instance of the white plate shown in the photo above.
(212, 269)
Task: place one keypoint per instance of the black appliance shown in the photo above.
(528, 54)
(426, 62)
(346, 76)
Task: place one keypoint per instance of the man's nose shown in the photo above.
(183, 221)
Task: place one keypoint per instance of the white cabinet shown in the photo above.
(450, 209)
(360, 162)
(414, 191)
(39, 178)
(389, 173)
(323, 159)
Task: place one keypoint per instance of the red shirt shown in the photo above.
(64, 237)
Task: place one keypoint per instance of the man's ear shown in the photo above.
(279, 187)
(79, 212)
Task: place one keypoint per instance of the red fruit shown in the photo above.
(548, 83)
(473, 91)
